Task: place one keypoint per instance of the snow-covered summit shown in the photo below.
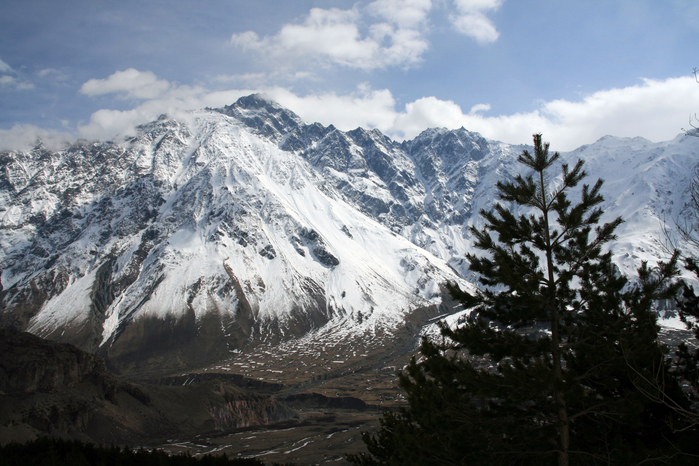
(245, 224)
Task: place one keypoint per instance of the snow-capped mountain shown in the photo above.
(240, 225)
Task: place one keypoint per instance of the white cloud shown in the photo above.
(653, 109)
(472, 21)
(53, 74)
(656, 110)
(11, 81)
(24, 137)
(333, 36)
(47, 72)
(129, 83)
(4, 67)
(385, 33)
(403, 13)
(367, 108)
(427, 112)
(107, 124)
(479, 108)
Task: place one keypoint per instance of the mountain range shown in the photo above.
(213, 233)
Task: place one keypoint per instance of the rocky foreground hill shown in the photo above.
(49, 388)
(57, 390)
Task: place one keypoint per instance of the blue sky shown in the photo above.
(573, 70)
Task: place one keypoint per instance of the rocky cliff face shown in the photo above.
(241, 409)
(244, 225)
(48, 387)
(31, 365)
(54, 387)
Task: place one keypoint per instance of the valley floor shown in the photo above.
(338, 389)
(324, 437)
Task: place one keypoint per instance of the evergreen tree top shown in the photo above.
(563, 344)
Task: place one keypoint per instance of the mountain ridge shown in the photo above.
(244, 225)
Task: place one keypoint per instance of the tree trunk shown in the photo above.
(562, 411)
(563, 420)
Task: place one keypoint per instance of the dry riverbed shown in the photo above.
(323, 437)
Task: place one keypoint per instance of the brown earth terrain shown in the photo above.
(303, 402)
(307, 406)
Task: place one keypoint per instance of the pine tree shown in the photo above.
(686, 364)
(545, 369)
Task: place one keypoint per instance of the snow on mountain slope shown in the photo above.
(244, 225)
(648, 184)
(200, 219)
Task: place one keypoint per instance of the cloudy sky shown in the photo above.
(574, 70)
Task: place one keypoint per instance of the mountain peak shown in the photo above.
(246, 225)
(258, 100)
(265, 116)
(259, 104)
